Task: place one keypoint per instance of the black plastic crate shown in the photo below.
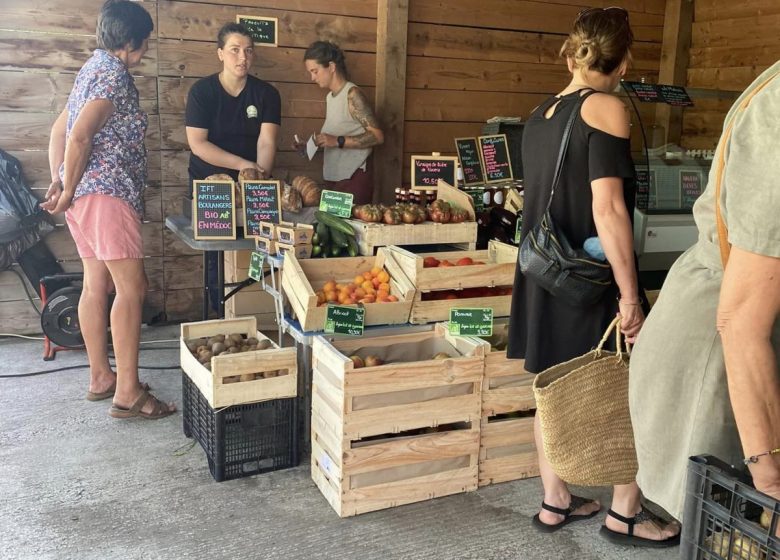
(241, 440)
(722, 511)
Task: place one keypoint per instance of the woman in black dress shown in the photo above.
(594, 198)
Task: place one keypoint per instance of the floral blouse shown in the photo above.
(117, 164)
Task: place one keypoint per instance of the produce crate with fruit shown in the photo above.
(506, 450)
(395, 419)
(231, 362)
(377, 283)
(458, 279)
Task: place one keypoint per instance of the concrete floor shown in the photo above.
(76, 483)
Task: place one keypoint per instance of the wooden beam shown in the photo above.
(678, 25)
(392, 29)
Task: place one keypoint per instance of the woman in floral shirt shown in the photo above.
(98, 167)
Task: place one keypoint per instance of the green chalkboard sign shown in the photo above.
(256, 261)
(342, 319)
(264, 30)
(471, 321)
(336, 203)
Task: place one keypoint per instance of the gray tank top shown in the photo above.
(340, 164)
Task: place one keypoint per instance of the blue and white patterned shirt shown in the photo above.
(117, 164)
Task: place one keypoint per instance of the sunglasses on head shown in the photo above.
(616, 10)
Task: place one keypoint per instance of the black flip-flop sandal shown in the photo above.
(576, 503)
(629, 539)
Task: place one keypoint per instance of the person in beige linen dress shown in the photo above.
(704, 372)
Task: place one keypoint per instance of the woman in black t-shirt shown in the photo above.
(232, 118)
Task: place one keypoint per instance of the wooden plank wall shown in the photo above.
(468, 61)
(43, 43)
(732, 43)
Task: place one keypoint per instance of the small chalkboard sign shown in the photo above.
(213, 210)
(675, 95)
(342, 319)
(690, 188)
(644, 184)
(336, 203)
(261, 204)
(427, 170)
(495, 158)
(256, 261)
(470, 161)
(646, 93)
(264, 30)
(471, 321)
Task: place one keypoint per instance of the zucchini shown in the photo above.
(338, 237)
(315, 239)
(334, 222)
(323, 233)
(324, 250)
(352, 247)
(335, 251)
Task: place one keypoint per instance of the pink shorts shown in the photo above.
(105, 228)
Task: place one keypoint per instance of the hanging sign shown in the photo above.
(471, 321)
(336, 203)
(427, 170)
(256, 261)
(661, 93)
(495, 158)
(470, 162)
(343, 319)
(261, 204)
(213, 210)
(264, 30)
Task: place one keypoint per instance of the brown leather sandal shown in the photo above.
(159, 410)
(110, 393)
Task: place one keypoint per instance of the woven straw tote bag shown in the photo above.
(586, 425)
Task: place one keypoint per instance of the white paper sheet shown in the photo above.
(311, 147)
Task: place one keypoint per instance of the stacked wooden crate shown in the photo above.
(397, 433)
(250, 300)
(506, 450)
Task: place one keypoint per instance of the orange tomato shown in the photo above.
(383, 276)
(465, 261)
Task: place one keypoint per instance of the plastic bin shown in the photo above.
(722, 511)
(241, 440)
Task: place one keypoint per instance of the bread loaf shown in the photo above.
(308, 189)
(291, 199)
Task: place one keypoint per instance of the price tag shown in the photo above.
(471, 321)
(342, 319)
(256, 261)
(336, 203)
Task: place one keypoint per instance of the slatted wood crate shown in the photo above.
(300, 279)
(228, 381)
(498, 270)
(432, 406)
(371, 236)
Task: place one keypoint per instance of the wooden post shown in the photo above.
(392, 26)
(678, 23)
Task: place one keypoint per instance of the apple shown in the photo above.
(357, 361)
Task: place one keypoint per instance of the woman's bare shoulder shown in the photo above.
(607, 113)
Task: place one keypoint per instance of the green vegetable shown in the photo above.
(339, 239)
(316, 251)
(323, 232)
(334, 222)
(315, 239)
(352, 247)
(335, 251)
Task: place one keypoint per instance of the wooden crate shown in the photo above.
(212, 383)
(301, 277)
(507, 450)
(356, 462)
(371, 236)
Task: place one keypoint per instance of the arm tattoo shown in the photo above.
(362, 112)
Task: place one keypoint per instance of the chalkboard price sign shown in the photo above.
(264, 30)
(690, 188)
(427, 170)
(256, 261)
(646, 93)
(495, 158)
(261, 204)
(644, 185)
(342, 319)
(471, 321)
(213, 210)
(675, 95)
(336, 203)
(470, 161)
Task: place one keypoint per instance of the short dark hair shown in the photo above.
(121, 22)
(325, 52)
(229, 29)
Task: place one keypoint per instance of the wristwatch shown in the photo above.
(340, 141)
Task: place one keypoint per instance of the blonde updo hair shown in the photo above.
(601, 40)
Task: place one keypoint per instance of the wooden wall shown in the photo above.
(731, 44)
(468, 61)
(50, 41)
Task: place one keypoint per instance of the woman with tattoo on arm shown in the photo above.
(351, 129)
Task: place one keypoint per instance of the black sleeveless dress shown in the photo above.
(542, 329)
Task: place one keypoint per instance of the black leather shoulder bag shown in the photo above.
(547, 258)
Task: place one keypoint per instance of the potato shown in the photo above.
(217, 348)
(244, 348)
(238, 338)
(251, 341)
(252, 347)
(192, 346)
(234, 350)
(201, 349)
(264, 344)
(229, 343)
(372, 361)
(205, 357)
(766, 519)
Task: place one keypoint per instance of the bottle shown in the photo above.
(430, 197)
(398, 196)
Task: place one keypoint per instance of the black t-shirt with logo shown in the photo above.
(233, 122)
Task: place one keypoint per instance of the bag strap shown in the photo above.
(723, 232)
(615, 324)
(565, 144)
